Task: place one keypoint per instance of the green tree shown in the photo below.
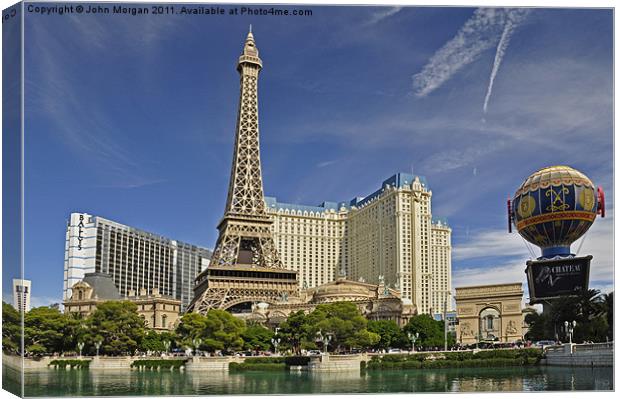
(11, 329)
(257, 338)
(119, 326)
(225, 328)
(431, 332)
(342, 320)
(589, 310)
(152, 342)
(294, 331)
(192, 325)
(391, 334)
(45, 330)
(218, 330)
(363, 339)
(608, 302)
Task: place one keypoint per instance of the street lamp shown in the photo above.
(413, 337)
(569, 327)
(445, 321)
(325, 339)
(275, 342)
(196, 342)
(80, 346)
(97, 346)
(167, 344)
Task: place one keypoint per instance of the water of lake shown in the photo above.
(54, 382)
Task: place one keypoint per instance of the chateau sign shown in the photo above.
(549, 279)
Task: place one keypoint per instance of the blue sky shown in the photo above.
(133, 118)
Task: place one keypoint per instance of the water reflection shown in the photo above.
(54, 382)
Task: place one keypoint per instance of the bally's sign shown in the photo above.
(551, 279)
(80, 236)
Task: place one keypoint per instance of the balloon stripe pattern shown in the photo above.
(554, 207)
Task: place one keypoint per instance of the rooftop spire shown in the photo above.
(250, 52)
(250, 37)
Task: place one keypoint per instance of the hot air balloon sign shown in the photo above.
(553, 208)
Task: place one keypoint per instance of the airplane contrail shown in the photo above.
(499, 56)
(514, 18)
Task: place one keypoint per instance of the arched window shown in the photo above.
(490, 323)
(80, 295)
(163, 320)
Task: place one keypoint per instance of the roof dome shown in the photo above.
(554, 207)
(342, 288)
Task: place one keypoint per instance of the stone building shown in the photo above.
(389, 234)
(375, 302)
(159, 312)
(489, 313)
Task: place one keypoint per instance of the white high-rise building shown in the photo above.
(389, 235)
(136, 259)
(21, 294)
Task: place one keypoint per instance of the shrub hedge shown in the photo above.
(257, 366)
(493, 358)
(155, 363)
(269, 363)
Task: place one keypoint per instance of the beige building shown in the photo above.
(489, 313)
(159, 312)
(389, 235)
(375, 302)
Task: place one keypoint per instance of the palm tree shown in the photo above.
(592, 311)
(608, 303)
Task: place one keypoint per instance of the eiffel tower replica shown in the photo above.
(245, 266)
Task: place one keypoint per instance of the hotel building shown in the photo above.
(21, 295)
(135, 259)
(388, 236)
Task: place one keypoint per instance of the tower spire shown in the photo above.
(250, 52)
(245, 235)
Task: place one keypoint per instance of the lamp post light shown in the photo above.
(445, 321)
(325, 339)
(196, 342)
(413, 337)
(167, 344)
(275, 342)
(569, 327)
(479, 338)
(97, 346)
(80, 346)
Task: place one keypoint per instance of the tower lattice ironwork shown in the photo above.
(245, 265)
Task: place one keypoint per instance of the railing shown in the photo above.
(345, 357)
(593, 347)
(554, 349)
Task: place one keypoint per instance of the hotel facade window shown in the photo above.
(390, 233)
(135, 258)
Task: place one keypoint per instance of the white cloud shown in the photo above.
(477, 35)
(502, 274)
(598, 243)
(36, 301)
(515, 17)
(325, 163)
(459, 157)
(495, 242)
(379, 16)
